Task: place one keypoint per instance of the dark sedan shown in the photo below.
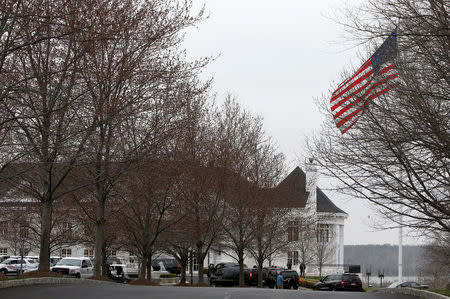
(347, 282)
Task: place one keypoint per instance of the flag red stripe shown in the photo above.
(374, 96)
(351, 125)
(378, 83)
(368, 91)
(363, 67)
(383, 71)
(351, 95)
(352, 85)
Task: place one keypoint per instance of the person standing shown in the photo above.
(302, 269)
(279, 281)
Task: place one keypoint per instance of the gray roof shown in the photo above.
(324, 204)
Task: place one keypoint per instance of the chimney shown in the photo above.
(311, 184)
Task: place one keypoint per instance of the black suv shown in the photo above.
(290, 278)
(346, 281)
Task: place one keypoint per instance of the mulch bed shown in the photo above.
(2, 275)
(192, 285)
(144, 282)
(101, 278)
(38, 273)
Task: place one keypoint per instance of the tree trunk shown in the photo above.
(46, 224)
(200, 260)
(99, 237)
(191, 265)
(260, 273)
(183, 274)
(241, 268)
(143, 268)
(104, 257)
(149, 267)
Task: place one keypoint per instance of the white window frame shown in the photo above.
(66, 252)
(3, 251)
(88, 252)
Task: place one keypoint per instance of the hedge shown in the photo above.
(307, 283)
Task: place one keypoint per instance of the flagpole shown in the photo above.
(400, 251)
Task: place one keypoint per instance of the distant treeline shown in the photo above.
(383, 258)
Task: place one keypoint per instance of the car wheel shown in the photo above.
(78, 275)
(4, 271)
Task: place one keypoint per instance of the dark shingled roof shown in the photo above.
(324, 204)
(292, 190)
(292, 193)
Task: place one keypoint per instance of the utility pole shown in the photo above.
(400, 251)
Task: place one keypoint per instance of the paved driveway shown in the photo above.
(121, 291)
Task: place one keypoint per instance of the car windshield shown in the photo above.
(69, 262)
(393, 285)
(113, 260)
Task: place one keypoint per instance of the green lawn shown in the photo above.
(442, 292)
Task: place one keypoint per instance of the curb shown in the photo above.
(47, 280)
(414, 292)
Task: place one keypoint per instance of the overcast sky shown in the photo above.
(276, 57)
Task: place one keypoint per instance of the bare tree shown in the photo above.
(323, 246)
(397, 155)
(271, 214)
(435, 266)
(132, 76)
(239, 136)
(151, 208)
(47, 133)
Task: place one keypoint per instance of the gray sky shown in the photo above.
(276, 57)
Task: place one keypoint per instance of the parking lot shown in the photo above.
(122, 291)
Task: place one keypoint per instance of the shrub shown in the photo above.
(307, 283)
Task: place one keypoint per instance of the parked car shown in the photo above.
(17, 265)
(74, 267)
(171, 265)
(251, 276)
(118, 271)
(225, 274)
(54, 260)
(408, 284)
(7, 267)
(4, 257)
(290, 278)
(346, 281)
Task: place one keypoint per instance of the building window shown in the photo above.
(293, 229)
(195, 263)
(3, 251)
(4, 228)
(323, 234)
(292, 258)
(132, 258)
(23, 231)
(88, 252)
(66, 252)
(67, 230)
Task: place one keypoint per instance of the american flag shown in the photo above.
(375, 77)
